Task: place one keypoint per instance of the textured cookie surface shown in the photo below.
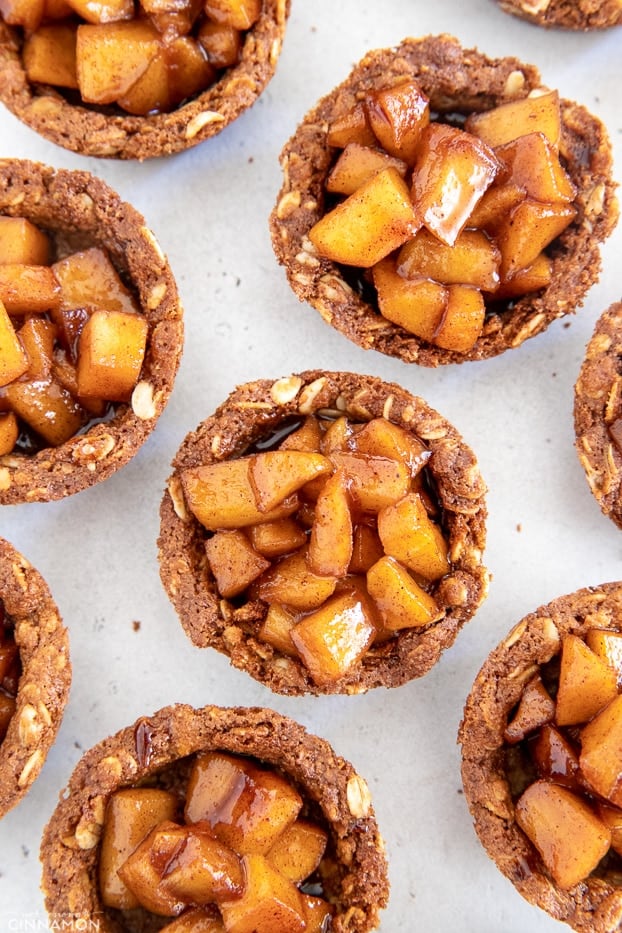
(567, 14)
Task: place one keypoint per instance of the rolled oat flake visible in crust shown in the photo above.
(156, 751)
(598, 413)
(251, 413)
(101, 132)
(79, 211)
(456, 81)
(492, 779)
(43, 687)
(567, 14)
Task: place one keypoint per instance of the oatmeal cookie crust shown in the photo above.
(79, 211)
(594, 905)
(455, 80)
(356, 882)
(94, 132)
(254, 410)
(46, 675)
(597, 404)
(567, 14)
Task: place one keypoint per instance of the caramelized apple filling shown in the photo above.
(444, 222)
(72, 339)
(234, 851)
(143, 57)
(564, 763)
(334, 530)
(10, 671)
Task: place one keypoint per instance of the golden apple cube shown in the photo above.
(351, 127)
(401, 602)
(608, 646)
(143, 869)
(215, 780)
(555, 758)
(330, 545)
(222, 43)
(530, 279)
(189, 68)
(104, 11)
(366, 549)
(472, 260)
(534, 114)
(417, 305)
(530, 227)
(130, 815)
(9, 432)
(276, 474)
(49, 56)
(337, 435)
(152, 91)
(368, 225)
(408, 534)
(535, 708)
(88, 279)
(233, 561)
(534, 166)
(28, 289)
(398, 115)
(202, 870)
(356, 165)
(23, 242)
(56, 9)
(306, 437)
(292, 583)
(111, 57)
(569, 836)
(48, 408)
(451, 173)
(298, 852)
(497, 201)
(601, 752)
(331, 640)
(270, 903)
(220, 496)
(586, 683)
(382, 438)
(317, 913)
(13, 359)
(463, 319)
(274, 539)
(276, 629)
(612, 818)
(37, 336)
(373, 482)
(241, 14)
(24, 13)
(197, 920)
(110, 354)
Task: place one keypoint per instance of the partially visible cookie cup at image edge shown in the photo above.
(456, 81)
(103, 132)
(254, 412)
(43, 686)
(563, 14)
(79, 211)
(157, 751)
(495, 772)
(598, 413)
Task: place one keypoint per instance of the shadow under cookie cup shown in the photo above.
(457, 81)
(594, 905)
(43, 687)
(251, 413)
(354, 876)
(99, 132)
(80, 211)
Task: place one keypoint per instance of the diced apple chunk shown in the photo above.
(152, 90)
(408, 534)
(215, 779)
(222, 43)
(612, 818)
(601, 752)
(398, 115)
(292, 583)
(368, 225)
(373, 482)
(356, 165)
(366, 549)
(462, 320)
(9, 432)
(608, 646)
(472, 260)
(28, 289)
(47, 408)
(298, 852)
(276, 629)
(317, 913)
(110, 354)
(143, 869)
(241, 14)
(530, 227)
(330, 545)
(496, 203)
(270, 903)
(233, 561)
(196, 920)
(111, 57)
(533, 114)
(49, 57)
(534, 166)
(37, 336)
(535, 708)
(13, 359)
(530, 279)
(88, 279)
(555, 758)
(104, 11)
(586, 683)
(274, 539)
(24, 13)
(202, 870)
(276, 474)
(23, 242)
(306, 437)
(401, 602)
(383, 438)
(417, 305)
(352, 127)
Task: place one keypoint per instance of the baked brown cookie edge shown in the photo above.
(562, 14)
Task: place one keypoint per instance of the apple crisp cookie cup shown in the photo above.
(528, 756)
(456, 81)
(79, 212)
(157, 751)
(564, 15)
(236, 626)
(41, 670)
(107, 132)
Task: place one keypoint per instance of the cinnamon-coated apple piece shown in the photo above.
(189, 69)
(276, 474)
(202, 869)
(334, 637)
(356, 165)
(369, 224)
(555, 758)
(143, 869)
(538, 112)
(612, 818)
(49, 55)
(473, 260)
(270, 903)
(398, 115)
(291, 582)
(382, 438)
(13, 358)
(47, 407)
(220, 496)
(533, 164)
(276, 629)
(462, 320)
(196, 920)
(586, 683)
(28, 289)
(152, 90)
(366, 548)
(535, 708)
(298, 851)
(417, 305)
(372, 482)
(23, 242)
(569, 836)
(37, 336)
(233, 561)
(408, 534)
(601, 755)
(307, 437)
(331, 542)
(25, 13)
(274, 539)
(317, 913)
(451, 173)
(530, 227)
(215, 778)
(399, 599)
(172, 18)
(222, 44)
(104, 11)
(241, 14)
(111, 57)
(530, 279)
(131, 813)
(497, 201)
(608, 646)
(88, 279)
(351, 127)
(111, 350)
(337, 435)
(9, 432)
